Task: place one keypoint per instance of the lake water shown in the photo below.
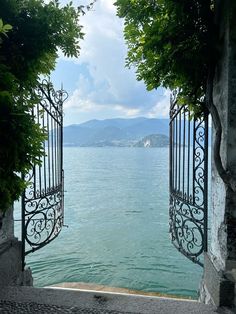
(116, 209)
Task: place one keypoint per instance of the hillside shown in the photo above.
(113, 132)
(153, 140)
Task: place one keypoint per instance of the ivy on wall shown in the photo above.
(31, 33)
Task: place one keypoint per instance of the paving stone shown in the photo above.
(30, 300)
(9, 307)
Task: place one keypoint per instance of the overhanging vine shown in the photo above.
(175, 44)
(31, 32)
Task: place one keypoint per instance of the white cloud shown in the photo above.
(128, 112)
(161, 108)
(111, 88)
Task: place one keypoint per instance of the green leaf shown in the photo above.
(40, 30)
(7, 27)
(170, 43)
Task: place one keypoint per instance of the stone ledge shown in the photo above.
(97, 302)
(11, 265)
(218, 288)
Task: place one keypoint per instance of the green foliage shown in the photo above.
(171, 44)
(4, 28)
(39, 30)
(31, 34)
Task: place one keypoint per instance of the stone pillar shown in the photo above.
(11, 273)
(220, 262)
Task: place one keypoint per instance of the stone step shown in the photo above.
(16, 300)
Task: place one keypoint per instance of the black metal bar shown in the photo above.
(193, 159)
(43, 212)
(189, 126)
(52, 149)
(183, 156)
(23, 231)
(58, 154)
(173, 153)
(49, 155)
(34, 167)
(179, 187)
(39, 168)
(61, 155)
(205, 244)
(176, 150)
(44, 159)
(171, 157)
(188, 195)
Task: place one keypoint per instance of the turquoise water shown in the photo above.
(116, 209)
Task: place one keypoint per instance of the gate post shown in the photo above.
(220, 263)
(10, 254)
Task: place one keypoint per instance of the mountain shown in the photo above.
(113, 132)
(118, 122)
(153, 140)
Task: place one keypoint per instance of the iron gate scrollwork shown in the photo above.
(43, 199)
(188, 181)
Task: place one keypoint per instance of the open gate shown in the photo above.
(188, 181)
(42, 200)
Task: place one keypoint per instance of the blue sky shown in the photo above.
(98, 83)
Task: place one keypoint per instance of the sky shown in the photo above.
(98, 83)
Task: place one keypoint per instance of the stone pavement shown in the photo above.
(29, 300)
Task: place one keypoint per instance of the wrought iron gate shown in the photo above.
(42, 200)
(188, 181)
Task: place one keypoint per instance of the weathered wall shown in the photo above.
(6, 226)
(220, 263)
(10, 255)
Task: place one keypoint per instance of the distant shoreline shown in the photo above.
(110, 146)
(103, 288)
